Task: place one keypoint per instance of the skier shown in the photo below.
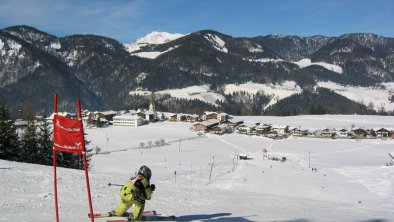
(135, 192)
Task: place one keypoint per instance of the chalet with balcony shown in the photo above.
(210, 116)
(220, 129)
(327, 133)
(215, 116)
(192, 118)
(295, 131)
(280, 129)
(383, 133)
(246, 128)
(108, 115)
(360, 133)
(342, 133)
(205, 125)
(232, 124)
(263, 129)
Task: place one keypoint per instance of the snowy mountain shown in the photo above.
(154, 38)
(105, 73)
(198, 178)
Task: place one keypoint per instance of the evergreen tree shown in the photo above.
(45, 144)
(9, 140)
(28, 150)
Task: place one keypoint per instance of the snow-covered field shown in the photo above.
(351, 183)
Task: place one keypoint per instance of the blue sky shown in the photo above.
(127, 20)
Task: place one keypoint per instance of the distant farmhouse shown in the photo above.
(205, 126)
(215, 116)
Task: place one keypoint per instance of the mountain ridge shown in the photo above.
(103, 71)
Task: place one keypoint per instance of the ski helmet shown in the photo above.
(145, 171)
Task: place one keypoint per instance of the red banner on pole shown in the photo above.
(68, 135)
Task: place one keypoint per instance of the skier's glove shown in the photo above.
(152, 187)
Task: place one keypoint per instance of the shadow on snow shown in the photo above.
(211, 217)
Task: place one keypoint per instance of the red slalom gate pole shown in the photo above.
(85, 162)
(54, 165)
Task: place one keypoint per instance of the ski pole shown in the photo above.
(113, 184)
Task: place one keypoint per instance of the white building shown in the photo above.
(280, 129)
(128, 120)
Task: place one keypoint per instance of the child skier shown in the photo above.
(135, 192)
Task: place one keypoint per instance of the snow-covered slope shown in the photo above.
(278, 91)
(302, 63)
(203, 93)
(351, 183)
(307, 62)
(216, 42)
(379, 97)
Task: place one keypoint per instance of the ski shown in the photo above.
(146, 218)
(108, 214)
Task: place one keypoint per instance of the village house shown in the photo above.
(108, 115)
(360, 133)
(383, 133)
(215, 115)
(128, 120)
(263, 129)
(280, 129)
(246, 128)
(210, 116)
(180, 117)
(222, 117)
(192, 118)
(342, 133)
(131, 112)
(220, 129)
(140, 113)
(173, 117)
(327, 133)
(371, 133)
(184, 117)
(306, 132)
(295, 131)
(232, 124)
(205, 125)
(151, 116)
